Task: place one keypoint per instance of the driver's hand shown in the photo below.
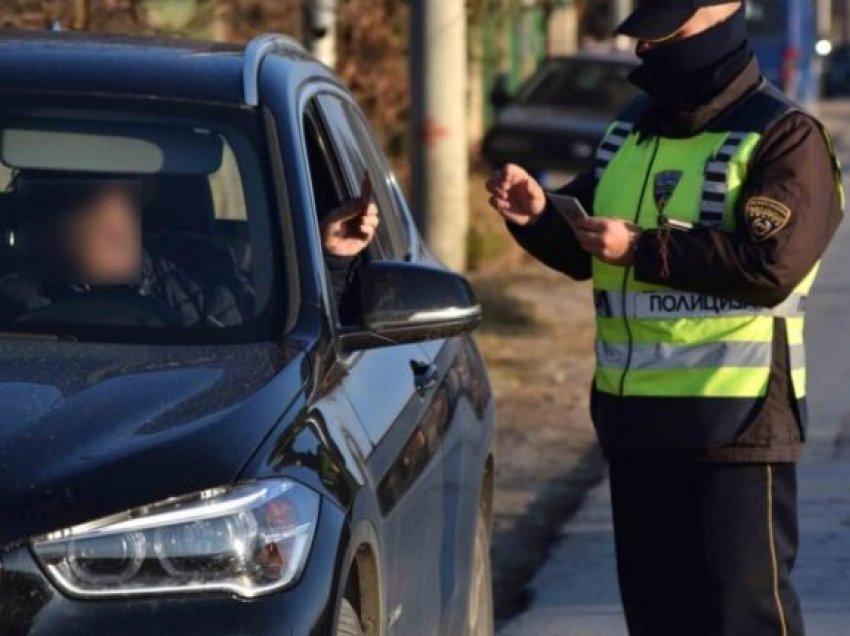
(350, 228)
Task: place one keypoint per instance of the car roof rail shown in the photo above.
(255, 52)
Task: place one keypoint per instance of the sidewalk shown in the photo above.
(575, 592)
(546, 449)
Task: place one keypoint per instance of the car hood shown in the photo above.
(550, 119)
(89, 430)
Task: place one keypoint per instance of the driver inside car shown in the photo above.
(83, 236)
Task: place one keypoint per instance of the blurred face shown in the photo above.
(104, 240)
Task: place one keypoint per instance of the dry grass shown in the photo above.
(504, 313)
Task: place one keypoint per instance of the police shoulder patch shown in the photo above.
(766, 217)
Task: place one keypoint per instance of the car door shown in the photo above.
(456, 431)
(403, 402)
(437, 498)
(368, 370)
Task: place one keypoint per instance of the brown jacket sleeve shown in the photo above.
(792, 167)
(552, 241)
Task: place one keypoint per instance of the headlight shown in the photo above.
(249, 540)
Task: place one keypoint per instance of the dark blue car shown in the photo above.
(204, 431)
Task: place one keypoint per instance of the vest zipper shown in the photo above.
(628, 270)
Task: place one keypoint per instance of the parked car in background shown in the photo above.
(224, 444)
(558, 118)
(784, 35)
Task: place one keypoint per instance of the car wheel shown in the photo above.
(348, 623)
(481, 585)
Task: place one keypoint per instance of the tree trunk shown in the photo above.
(222, 20)
(81, 15)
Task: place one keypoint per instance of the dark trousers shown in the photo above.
(706, 549)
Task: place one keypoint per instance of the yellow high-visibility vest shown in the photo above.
(657, 342)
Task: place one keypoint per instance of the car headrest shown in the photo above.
(182, 204)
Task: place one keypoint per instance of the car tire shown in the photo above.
(348, 623)
(481, 618)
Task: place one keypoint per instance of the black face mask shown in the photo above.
(696, 69)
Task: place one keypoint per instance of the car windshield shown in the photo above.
(122, 226)
(596, 86)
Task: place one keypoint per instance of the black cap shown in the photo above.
(656, 19)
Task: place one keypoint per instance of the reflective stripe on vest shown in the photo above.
(611, 144)
(655, 341)
(716, 182)
(797, 358)
(658, 342)
(673, 305)
(706, 356)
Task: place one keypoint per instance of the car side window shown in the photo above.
(358, 152)
(328, 183)
(329, 187)
(381, 172)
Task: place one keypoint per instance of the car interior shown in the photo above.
(193, 218)
(197, 219)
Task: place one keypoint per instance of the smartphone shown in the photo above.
(667, 223)
(570, 208)
(366, 189)
(362, 201)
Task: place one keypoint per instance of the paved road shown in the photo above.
(575, 593)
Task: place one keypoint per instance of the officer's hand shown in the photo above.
(350, 228)
(516, 195)
(610, 240)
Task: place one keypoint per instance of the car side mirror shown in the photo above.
(406, 302)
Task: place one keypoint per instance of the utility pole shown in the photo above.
(562, 36)
(81, 15)
(621, 11)
(223, 14)
(321, 30)
(825, 19)
(439, 143)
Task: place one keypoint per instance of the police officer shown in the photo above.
(712, 202)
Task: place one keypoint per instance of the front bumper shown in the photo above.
(31, 606)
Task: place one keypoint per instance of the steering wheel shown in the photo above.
(104, 308)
